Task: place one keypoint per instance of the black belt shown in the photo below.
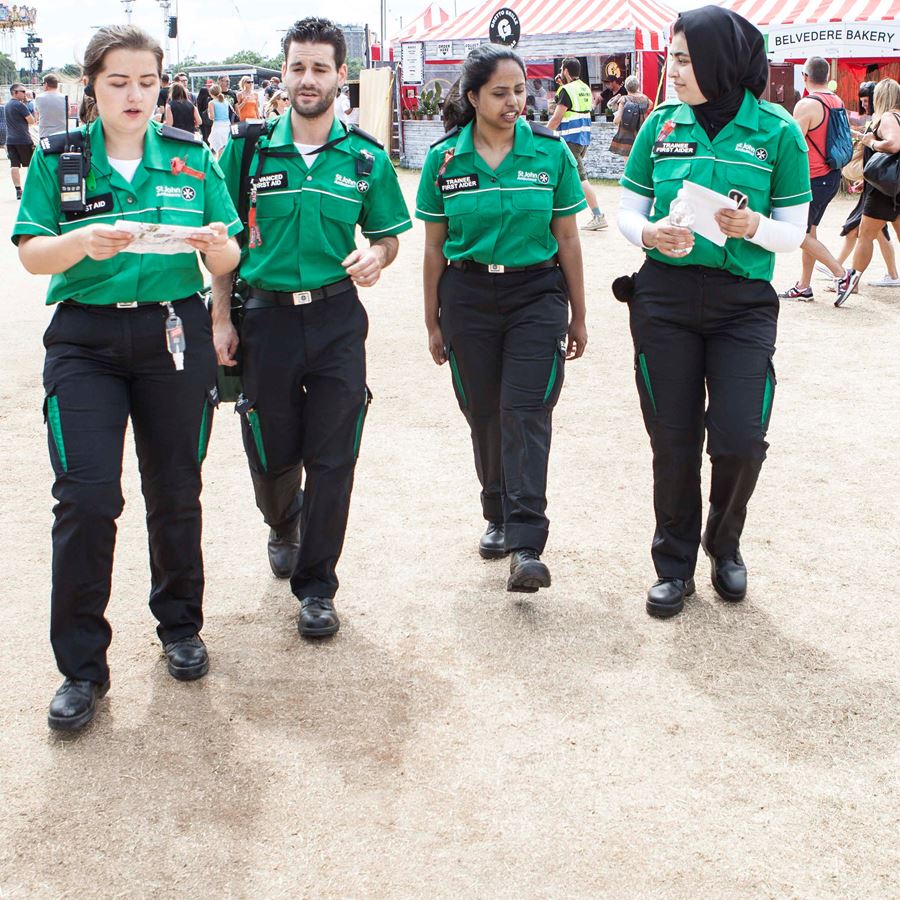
(260, 299)
(469, 265)
(132, 304)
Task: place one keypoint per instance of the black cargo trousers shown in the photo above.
(505, 337)
(103, 366)
(698, 333)
(304, 406)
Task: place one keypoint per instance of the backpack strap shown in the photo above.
(251, 134)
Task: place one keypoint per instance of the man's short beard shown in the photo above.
(319, 109)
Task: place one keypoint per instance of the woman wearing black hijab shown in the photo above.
(703, 311)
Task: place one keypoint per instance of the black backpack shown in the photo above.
(632, 116)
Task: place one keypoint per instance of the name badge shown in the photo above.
(458, 183)
(273, 181)
(675, 148)
(93, 206)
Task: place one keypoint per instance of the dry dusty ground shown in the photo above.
(455, 740)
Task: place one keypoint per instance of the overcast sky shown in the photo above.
(233, 25)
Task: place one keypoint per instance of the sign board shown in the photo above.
(834, 39)
(469, 46)
(504, 28)
(412, 58)
(444, 49)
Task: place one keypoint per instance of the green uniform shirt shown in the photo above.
(153, 195)
(500, 217)
(306, 216)
(761, 153)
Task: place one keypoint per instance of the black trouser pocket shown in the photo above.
(210, 403)
(53, 421)
(643, 371)
(458, 388)
(557, 373)
(247, 408)
(360, 421)
(768, 396)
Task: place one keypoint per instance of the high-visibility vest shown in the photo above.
(576, 123)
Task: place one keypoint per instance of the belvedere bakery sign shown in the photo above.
(832, 39)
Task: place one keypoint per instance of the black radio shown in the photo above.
(71, 182)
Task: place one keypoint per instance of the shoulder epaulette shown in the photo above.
(353, 129)
(543, 131)
(177, 134)
(59, 143)
(674, 102)
(444, 137)
(242, 129)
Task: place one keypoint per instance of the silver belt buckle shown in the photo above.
(301, 298)
(132, 305)
(496, 270)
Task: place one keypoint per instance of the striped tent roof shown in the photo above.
(649, 19)
(430, 17)
(801, 12)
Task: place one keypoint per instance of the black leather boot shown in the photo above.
(317, 617)
(666, 597)
(728, 575)
(491, 545)
(283, 552)
(187, 658)
(74, 704)
(526, 572)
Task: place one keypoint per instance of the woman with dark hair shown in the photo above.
(180, 112)
(502, 269)
(703, 311)
(203, 97)
(130, 339)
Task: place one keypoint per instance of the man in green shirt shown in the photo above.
(311, 181)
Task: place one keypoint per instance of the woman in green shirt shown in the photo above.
(703, 311)
(502, 271)
(130, 339)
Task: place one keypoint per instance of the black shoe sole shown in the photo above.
(528, 582)
(667, 610)
(318, 632)
(189, 673)
(74, 723)
(492, 554)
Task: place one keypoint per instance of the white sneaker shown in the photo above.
(597, 223)
(885, 281)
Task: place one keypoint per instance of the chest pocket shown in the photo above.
(668, 176)
(536, 209)
(461, 204)
(755, 183)
(344, 211)
(271, 206)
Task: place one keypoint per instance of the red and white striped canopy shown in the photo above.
(649, 19)
(814, 12)
(430, 17)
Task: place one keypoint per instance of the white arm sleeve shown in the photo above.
(633, 216)
(784, 231)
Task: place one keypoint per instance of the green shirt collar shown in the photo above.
(747, 116)
(523, 142)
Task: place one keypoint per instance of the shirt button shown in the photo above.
(493, 179)
(309, 177)
(131, 199)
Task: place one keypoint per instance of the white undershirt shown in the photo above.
(306, 151)
(125, 167)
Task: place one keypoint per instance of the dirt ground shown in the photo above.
(455, 740)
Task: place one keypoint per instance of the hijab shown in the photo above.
(729, 56)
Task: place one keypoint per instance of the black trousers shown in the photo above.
(304, 372)
(506, 342)
(702, 333)
(104, 365)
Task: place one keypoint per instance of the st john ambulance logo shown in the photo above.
(543, 178)
(762, 155)
(362, 186)
(188, 193)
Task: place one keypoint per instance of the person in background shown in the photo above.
(631, 110)
(277, 105)
(342, 105)
(163, 98)
(219, 112)
(19, 145)
(812, 114)
(229, 96)
(183, 79)
(881, 136)
(202, 107)
(51, 108)
(572, 118)
(247, 105)
(29, 101)
(180, 112)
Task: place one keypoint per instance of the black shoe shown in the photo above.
(666, 597)
(187, 657)
(74, 704)
(526, 572)
(317, 617)
(283, 552)
(19, 197)
(491, 544)
(728, 575)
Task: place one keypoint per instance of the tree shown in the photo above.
(7, 69)
(245, 58)
(71, 70)
(353, 69)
